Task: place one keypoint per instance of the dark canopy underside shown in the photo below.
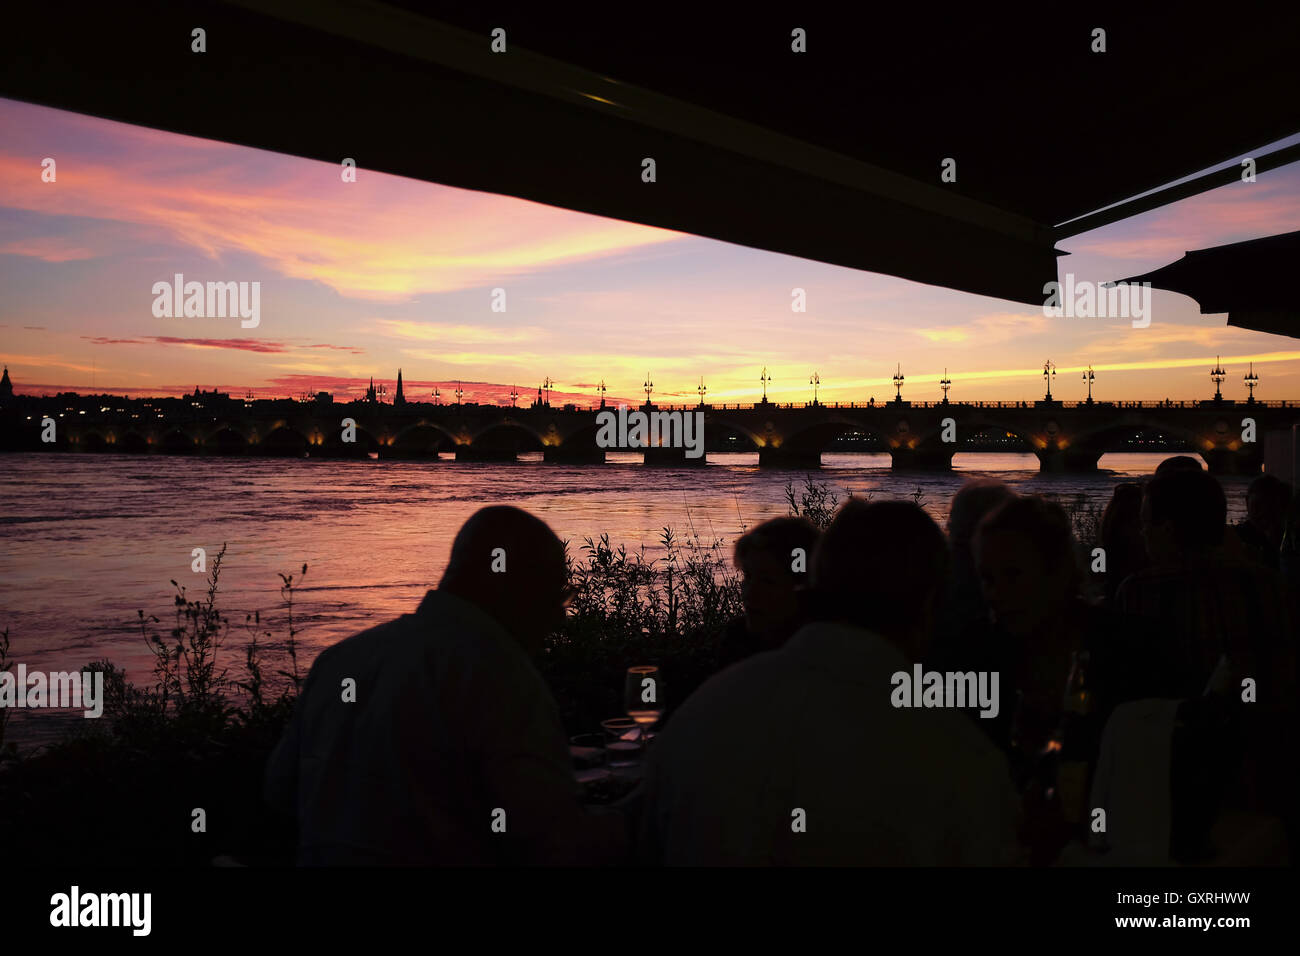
(1252, 281)
(833, 155)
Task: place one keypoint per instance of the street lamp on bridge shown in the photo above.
(1089, 377)
(514, 396)
(601, 388)
(815, 381)
(1049, 372)
(1251, 381)
(649, 387)
(1217, 375)
(702, 389)
(381, 391)
(437, 396)
(765, 378)
(945, 383)
(460, 392)
(547, 385)
(898, 383)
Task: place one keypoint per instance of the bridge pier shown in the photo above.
(1067, 460)
(393, 453)
(922, 459)
(470, 453)
(1224, 461)
(561, 454)
(769, 457)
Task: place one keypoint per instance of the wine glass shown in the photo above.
(621, 749)
(643, 695)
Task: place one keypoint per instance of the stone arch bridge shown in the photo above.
(925, 436)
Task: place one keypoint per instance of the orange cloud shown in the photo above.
(986, 329)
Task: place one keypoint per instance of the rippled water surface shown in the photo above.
(88, 540)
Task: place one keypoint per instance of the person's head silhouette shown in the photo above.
(771, 573)
(975, 499)
(1024, 550)
(882, 565)
(511, 565)
(1184, 513)
(1178, 463)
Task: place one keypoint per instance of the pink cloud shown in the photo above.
(382, 237)
(246, 345)
(49, 249)
(1229, 214)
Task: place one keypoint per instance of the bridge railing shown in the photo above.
(199, 411)
(1006, 406)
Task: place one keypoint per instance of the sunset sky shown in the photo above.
(359, 279)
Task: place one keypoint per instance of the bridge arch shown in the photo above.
(133, 443)
(507, 426)
(423, 424)
(803, 446)
(501, 441)
(223, 425)
(422, 439)
(1111, 437)
(283, 441)
(577, 446)
(176, 442)
(226, 440)
(987, 436)
(755, 438)
(817, 436)
(92, 441)
(330, 444)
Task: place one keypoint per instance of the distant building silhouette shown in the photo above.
(370, 392)
(212, 396)
(6, 386)
(399, 398)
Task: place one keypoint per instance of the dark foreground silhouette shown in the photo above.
(1153, 723)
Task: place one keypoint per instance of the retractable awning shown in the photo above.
(834, 154)
(1251, 281)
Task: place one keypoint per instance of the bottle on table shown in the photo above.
(1072, 755)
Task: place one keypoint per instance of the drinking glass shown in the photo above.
(643, 695)
(622, 746)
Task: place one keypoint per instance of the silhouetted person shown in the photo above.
(1267, 501)
(773, 560)
(1024, 551)
(1037, 628)
(964, 601)
(1203, 600)
(1224, 620)
(1121, 536)
(432, 739)
(1179, 463)
(812, 728)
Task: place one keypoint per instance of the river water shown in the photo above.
(88, 540)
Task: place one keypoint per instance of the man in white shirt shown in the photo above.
(798, 757)
(432, 739)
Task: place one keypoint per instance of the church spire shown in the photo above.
(6, 386)
(399, 399)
